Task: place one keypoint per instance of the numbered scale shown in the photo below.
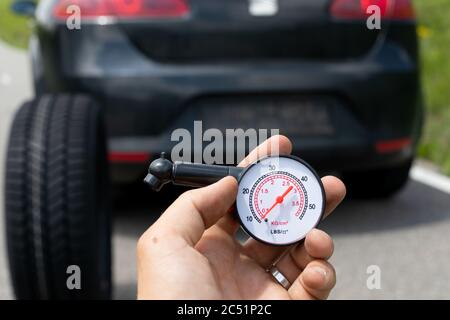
(280, 199)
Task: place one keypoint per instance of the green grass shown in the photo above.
(14, 30)
(434, 31)
(434, 19)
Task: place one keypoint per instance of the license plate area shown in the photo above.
(292, 115)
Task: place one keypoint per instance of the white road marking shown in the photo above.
(431, 178)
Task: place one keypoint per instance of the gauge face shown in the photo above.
(280, 200)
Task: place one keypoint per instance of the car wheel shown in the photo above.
(380, 183)
(56, 197)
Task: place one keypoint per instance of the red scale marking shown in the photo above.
(283, 177)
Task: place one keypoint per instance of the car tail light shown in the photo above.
(122, 8)
(128, 157)
(357, 9)
(388, 146)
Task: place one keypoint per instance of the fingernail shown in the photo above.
(321, 271)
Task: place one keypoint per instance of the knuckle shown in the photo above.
(187, 198)
(188, 195)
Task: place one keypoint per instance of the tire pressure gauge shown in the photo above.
(280, 199)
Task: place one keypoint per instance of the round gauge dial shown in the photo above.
(280, 199)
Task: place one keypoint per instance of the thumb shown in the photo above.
(196, 210)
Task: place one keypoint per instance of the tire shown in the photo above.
(56, 199)
(380, 183)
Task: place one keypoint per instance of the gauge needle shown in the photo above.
(278, 201)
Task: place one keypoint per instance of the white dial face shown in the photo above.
(280, 200)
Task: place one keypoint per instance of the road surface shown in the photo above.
(15, 86)
(406, 238)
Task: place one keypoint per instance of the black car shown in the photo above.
(110, 91)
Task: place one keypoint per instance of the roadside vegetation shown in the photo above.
(434, 32)
(14, 30)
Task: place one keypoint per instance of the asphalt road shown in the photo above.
(406, 237)
(15, 86)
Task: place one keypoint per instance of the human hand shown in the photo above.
(191, 251)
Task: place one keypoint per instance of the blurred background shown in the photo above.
(374, 105)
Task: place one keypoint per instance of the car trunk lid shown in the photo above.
(250, 30)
